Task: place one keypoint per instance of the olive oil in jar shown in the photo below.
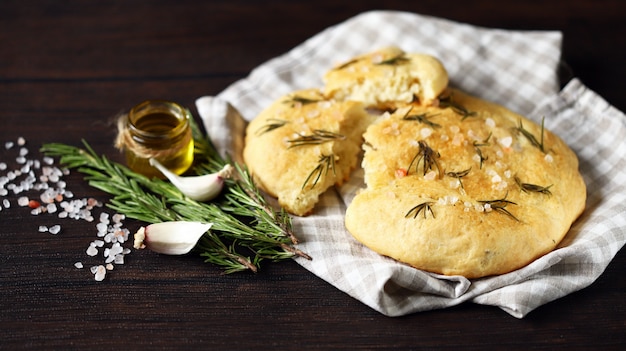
(160, 130)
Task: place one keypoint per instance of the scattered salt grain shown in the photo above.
(55, 229)
(549, 158)
(426, 132)
(102, 228)
(92, 250)
(506, 141)
(432, 175)
(99, 273)
(119, 259)
(53, 197)
(51, 208)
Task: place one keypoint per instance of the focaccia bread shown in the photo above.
(386, 78)
(464, 188)
(303, 144)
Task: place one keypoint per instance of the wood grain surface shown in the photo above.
(67, 68)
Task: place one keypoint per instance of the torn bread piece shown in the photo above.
(388, 77)
(303, 144)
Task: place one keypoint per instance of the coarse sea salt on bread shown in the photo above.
(465, 188)
(387, 77)
(303, 144)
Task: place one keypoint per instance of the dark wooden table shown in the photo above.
(68, 67)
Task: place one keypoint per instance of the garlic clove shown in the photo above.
(199, 188)
(170, 238)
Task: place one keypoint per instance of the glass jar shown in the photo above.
(161, 130)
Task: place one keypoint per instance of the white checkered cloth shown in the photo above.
(517, 69)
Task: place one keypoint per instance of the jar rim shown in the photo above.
(148, 107)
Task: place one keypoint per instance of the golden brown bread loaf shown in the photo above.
(467, 188)
(303, 144)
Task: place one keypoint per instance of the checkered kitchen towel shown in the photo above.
(517, 69)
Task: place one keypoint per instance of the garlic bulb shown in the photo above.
(170, 238)
(199, 188)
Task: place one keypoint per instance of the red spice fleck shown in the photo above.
(33, 204)
(401, 173)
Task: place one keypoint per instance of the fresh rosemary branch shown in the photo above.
(141, 198)
(319, 136)
(234, 234)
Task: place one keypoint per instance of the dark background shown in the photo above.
(68, 67)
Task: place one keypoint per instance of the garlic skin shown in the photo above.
(170, 238)
(199, 188)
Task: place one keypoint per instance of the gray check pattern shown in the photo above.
(517, 69)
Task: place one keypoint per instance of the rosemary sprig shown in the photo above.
(425, 207)
(479, 151)
(527, 187)
(500, 206)
(423, 118)
(135, 195)
(428, 158)
(392, 61)
(326, 163)
(233, 235)
(448, 102)
(319, 136)
(295, 99)
(531, 138)
(273, 123)
(459, 175)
